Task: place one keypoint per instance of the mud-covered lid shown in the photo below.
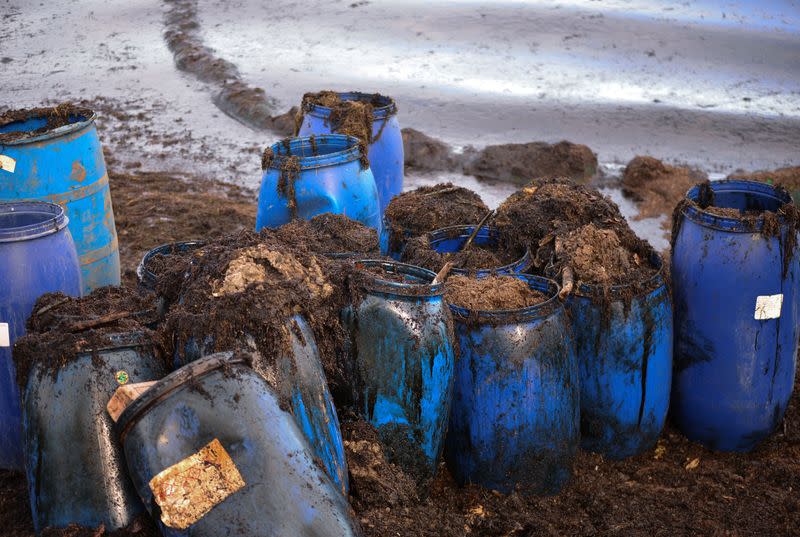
(394, 278)
(27, 220)
(162, 389)
(35, 124)
(543, 300)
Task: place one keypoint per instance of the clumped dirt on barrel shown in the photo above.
(143, 526)
(328, 234)
(418, 251)
(55, 117)
(61, 327)
(657, 187)
(432, 207)
(491, 293)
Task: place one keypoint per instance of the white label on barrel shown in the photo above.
(7, 164)
(5, 340)
(768, 307)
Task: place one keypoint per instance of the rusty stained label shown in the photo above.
(189, 489)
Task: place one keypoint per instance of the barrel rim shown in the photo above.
(49, 226)
(520, 265)
(146, 277)
(647, 286)
(378, 114)
(169, 384)
(537, 311)
(350, 153)
(55, 133)
(707, 219)
(377, 284)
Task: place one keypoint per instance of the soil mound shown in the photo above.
(418, 251)
(429, 208)
(789, 178)
(597, 257)
(491, 293)
(425, 153)
(55, 117)
(329, 233)
(61, 327)
(657, 187)
(520, 163)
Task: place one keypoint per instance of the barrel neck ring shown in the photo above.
(373, 283)
(44, 219)
(342, 149)
(386, 109)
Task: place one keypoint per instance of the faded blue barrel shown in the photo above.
(624, 350)
(515, 420)
(217, 412)
(65, 166)
(37, 256)
(386, 148)
(298, 377)
(735, 286)
(452, 239)
(402, 336)
(75, 467)
(326, 176)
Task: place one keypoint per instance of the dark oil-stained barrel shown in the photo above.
(402, 336)
(217, 413)
(65, 166)
(624, 346)
(452, 239)
(75, 467)
(37, 256)
(735, 286)
(515, 422)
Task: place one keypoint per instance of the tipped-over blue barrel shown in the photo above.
(65, 166)
(211, 452)
(624, 351)
(386, 157)
(298, 377)
(735, 287)
(37, 256)
(320, 174)
(515, 419)
(75, 466)
(452, 239)
(402, 335)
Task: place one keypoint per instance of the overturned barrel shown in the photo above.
(304, 177)
(75, 467)
(54, 155)
(402, 336)
(623, 338)
(37, 256)
(514, 422)
(735, 278)
(373, 115)
(210, 449)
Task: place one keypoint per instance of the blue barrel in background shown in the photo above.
(451, 239)
(37, 256)
(736, 317)
(386, 157)
(217, 411)
(402, 335)
(298, 377)
(515, 419)
(328, 179)
(75, 467)
(625, 358)
(66, 166)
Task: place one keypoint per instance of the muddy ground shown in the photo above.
(678, 488)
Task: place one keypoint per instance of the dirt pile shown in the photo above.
(424, 153)
(789, 178)
(597, 257)
(429, 208)
(519, 163)
(55, 117)
(330, 233)
(491, 293)
(419, 252)
(657, 187)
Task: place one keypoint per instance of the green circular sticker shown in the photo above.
(122, 377)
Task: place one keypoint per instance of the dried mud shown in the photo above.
(425, 153)
(491, 293)
(657, 187)
(55, 117)
(418, 251)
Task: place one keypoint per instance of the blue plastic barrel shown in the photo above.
(402, 335)
(624, 350)
(330, 179)
(37, 256)
(386, 150)
(299, 378)
(75, 466)
(735, 288)
(65, 166)
(219, 414)
(451, 239)
(515, 419)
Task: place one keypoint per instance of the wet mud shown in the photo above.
(55, 117)
(491, 293)
(427, 154)
(789, 178)
(657, 187)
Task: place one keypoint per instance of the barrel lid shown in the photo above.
(27, 220)
(530, 313)
(420, 284)
(164, 387)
